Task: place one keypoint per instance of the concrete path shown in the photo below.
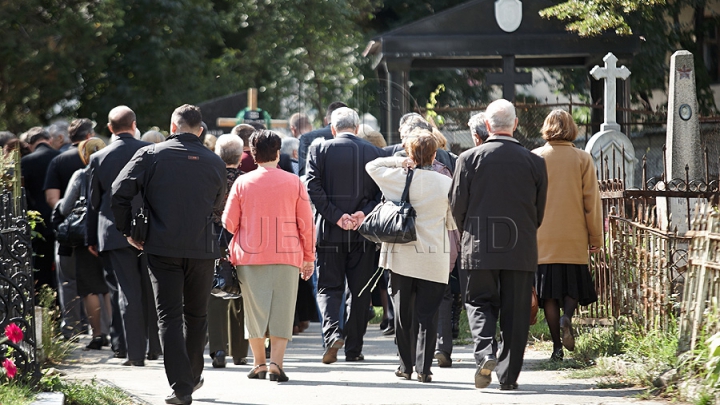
(369, 382)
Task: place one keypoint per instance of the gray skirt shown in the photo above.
(269, 293)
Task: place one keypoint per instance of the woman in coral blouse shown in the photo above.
(268, 212)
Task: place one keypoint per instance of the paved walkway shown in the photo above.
(369, 382)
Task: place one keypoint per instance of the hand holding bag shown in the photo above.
(226, 284)
(139, 224)
(390, 221)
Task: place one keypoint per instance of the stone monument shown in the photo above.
(682, 141)
(610, 142)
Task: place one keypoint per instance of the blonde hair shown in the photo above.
(88, 147)
(559, 126)
(374, 137)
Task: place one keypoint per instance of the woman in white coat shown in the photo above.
(419, 269)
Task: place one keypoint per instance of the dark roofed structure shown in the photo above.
(470, 36)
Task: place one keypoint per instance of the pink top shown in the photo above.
(268, 212)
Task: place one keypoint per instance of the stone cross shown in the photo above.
(509, 77)
(610, 73)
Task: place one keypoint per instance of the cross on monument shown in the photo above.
(610, 73)
(509, 77)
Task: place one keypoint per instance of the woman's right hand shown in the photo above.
(408, 164)
(307, 269)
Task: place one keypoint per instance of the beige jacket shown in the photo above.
(428, 257)
(573, 214)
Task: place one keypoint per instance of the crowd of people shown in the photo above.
(491, 224)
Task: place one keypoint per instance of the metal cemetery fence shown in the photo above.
(17, 291)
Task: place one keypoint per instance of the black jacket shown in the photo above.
(185, 182)
(105, 165)
(338, 183)
(306, 140)
(498, 201)
(34, 169)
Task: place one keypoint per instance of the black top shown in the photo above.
(34, 169)
(498, 200)
(62, 168)
(185, 186)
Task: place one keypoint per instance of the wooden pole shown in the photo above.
(252, 99)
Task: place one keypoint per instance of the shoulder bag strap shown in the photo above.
(406, 193)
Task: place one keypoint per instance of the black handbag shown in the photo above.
(226, 284)
(139, 224)
(390, 221)
(72, 231)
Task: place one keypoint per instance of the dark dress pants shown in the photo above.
(135, 302)
(444, 334)
(416, 313)
(504, 294)
(117, 331)
(338, 263)
(226, 327)
(182, 287)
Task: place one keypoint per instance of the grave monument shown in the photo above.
(610, 143)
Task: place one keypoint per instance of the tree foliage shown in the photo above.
(594, 17)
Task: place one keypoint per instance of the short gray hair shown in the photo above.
(230, 148)
(153, 136)
(289, 145)
(344, 118)
(500, 114)
(477, 126)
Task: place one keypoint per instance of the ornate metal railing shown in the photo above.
(640, 271)
(17, 293)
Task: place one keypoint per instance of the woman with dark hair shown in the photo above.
(571, 227)
(419, 269)
(268, 212)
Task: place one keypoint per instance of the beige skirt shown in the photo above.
(269, 293)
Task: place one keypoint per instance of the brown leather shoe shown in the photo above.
(330, 355)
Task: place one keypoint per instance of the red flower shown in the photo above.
(10, 368)
(14, 333)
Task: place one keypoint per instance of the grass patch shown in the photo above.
(540, 332)
(54, 349)
(377, 318)
(16, 394)
(85, 393)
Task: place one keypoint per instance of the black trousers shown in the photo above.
(416, 313)
(338, 264)
(444, 329)
(503, 294)
(136, 302)
(117, 331)
(182, 287)
(226, 327)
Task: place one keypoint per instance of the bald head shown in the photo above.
(121, 119)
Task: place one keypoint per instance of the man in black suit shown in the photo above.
(498, 201)
(183, 183)
(343, 193)
(33, 168)
(136, 304)
(307, 138)
(58, 176)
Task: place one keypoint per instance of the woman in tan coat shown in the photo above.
(420, 268)
(572, 226)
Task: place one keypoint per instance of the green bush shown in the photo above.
(16, 394)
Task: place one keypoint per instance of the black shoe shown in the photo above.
(508, 387)
(443, 359)
(95, 344)
(281, 377)
(483, 375)
(240, 362)
(178, 399)
(402, 374)
(199, 384)
(557, 355)
(134, 363)
(359, 357)
(153, 356)
(568, 340)
(384, 324)
(219, 359)
(105, 341)
(390, 330)
(330, 355)
(120, 354)
(257, 375)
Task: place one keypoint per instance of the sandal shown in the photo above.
(278, 377)
(260, 375)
